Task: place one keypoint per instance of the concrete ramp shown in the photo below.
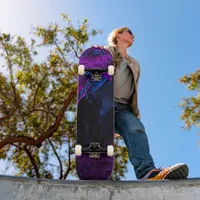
(18, 188)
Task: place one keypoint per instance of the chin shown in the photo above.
(129, 44)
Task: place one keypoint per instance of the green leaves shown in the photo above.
(35, 135)
(192, 81)
(121, 160)
(191, 105)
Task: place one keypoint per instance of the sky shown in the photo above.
(166, 46)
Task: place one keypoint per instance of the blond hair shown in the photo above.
(112, 39)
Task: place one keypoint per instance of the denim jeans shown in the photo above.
(132, 131)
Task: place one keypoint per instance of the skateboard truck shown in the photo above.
(94, 149)
(96, 73)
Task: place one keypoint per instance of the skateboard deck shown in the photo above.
(95, 115)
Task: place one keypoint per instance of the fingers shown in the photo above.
(116, 135)
(97, 46)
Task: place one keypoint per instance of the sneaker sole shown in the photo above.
(179, 171)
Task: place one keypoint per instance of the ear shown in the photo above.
(117, 35)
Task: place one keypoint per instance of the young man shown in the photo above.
(127, 115)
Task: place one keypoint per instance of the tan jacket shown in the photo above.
(135, 67)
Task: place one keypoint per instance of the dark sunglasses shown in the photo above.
(129, 31)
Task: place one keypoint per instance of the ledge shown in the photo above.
(20, 188)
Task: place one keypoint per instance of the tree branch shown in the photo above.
(23, 139)
(64, 59)
(47, 134)
(76, 53)
(54, 128)
(46, 111)
(39, 84)
(31, 159)
(54, 150)
(33, 162)
(7, 116)
(69, 159)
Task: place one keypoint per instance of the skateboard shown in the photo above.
(94, 148)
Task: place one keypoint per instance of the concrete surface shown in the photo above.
(18, 188)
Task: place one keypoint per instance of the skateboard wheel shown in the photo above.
(110, 150)
(78, 150)
(81, 69)
(111, 70)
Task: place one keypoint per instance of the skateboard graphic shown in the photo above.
(95, 115)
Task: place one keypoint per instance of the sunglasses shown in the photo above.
(129, 31)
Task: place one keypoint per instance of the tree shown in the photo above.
(36, 137)
(191, 105)
(121, 160)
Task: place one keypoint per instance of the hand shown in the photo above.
(97, 46)
(116, 135)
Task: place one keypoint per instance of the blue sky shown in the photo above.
(166, 46)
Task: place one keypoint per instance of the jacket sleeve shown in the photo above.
(138, 72)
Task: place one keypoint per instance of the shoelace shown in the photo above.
(163, 171)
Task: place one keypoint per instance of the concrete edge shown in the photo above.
(136, 183)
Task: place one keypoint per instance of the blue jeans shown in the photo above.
(132, 131)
